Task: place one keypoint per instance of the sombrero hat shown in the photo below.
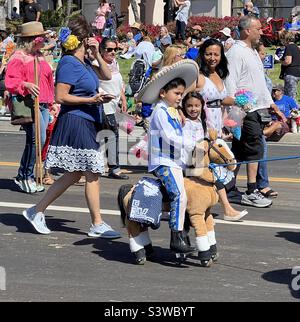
(32, 29)
(186, 69)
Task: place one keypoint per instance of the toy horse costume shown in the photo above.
(199, 185)
(201, 197)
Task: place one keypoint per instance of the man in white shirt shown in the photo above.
(181, 17)
(246, 72)
(145, 50)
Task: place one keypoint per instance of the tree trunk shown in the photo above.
(58, 4)
(135, 10)
(69, 7)
(2, 16)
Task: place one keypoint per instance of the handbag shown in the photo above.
(22, 110)
(265, 115)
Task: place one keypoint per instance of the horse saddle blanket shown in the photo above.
(146, 202)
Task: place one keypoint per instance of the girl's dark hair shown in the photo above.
(198, 96)
(222, 68)
(80, 27)
(174, 83)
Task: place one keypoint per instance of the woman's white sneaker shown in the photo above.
(103, 231)
(37, 220)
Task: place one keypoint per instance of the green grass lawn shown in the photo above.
(275, 72)
(125, 65)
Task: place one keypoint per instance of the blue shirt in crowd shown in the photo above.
(286, 104)
(292, 26)
(138, 37)
(84, 83)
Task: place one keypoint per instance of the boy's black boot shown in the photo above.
(179, 243)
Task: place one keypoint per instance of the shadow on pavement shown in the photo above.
(54, 224)
(9, 184)
(285, 276)
(291, 236)
(59, 224)
(118, 251)
(16, 220)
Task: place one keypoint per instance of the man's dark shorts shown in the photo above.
(250, 147)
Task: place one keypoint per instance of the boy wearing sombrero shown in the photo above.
(166, 157)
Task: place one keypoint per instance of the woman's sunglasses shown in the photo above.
(109, 50)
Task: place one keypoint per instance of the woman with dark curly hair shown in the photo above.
(213, 70)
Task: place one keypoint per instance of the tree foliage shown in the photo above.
(59, 17)
(135, 10)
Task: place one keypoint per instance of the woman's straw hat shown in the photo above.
(186, 69)
(136, 25)
(31, 29)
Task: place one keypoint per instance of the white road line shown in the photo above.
(263, 224)
(58, 208)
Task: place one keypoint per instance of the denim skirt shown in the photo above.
(73, 146)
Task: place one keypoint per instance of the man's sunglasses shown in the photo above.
(109, 50)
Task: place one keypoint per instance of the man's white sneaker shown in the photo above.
(256, 199)
(37, 220)
(34, 187)
(25, 185)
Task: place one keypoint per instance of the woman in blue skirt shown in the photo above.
(73, 146)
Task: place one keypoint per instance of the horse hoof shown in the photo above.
(149, 251)
(140, 257)
(206, 263)
(214, 253)
(180, 258)
(205, 258)
(215, 257)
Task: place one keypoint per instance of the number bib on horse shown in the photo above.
(146, 203)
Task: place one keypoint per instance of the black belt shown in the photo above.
(214, 104)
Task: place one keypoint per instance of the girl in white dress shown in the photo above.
(194, 131)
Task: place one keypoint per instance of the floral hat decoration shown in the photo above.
(68, 41)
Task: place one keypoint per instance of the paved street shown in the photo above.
(256, 256)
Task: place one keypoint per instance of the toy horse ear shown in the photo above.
(200, 150)
(212, 134)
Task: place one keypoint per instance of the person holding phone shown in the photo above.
(114, 89)
(73, 145)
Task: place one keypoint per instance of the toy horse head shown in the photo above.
(219, 151)
(211, 150)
